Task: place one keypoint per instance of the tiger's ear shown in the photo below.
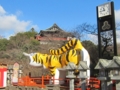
(26, 54)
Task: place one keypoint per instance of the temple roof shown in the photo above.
(53, 28)
(55, 31)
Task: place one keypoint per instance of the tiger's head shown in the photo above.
(32, 60)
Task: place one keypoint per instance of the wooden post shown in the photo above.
(42, 86)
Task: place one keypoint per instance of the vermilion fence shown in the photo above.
(44, 80)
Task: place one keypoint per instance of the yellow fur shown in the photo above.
(56, 61)
(72, 44)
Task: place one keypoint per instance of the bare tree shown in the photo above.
(82, 30)
(107, 44)
(118, 26)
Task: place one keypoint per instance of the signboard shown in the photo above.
(106, 31)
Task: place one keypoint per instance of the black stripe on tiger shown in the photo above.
(60, 60)
(35, 58)
(73, 51)
(70, 45)
(66, 47)
(41, 61)
(67, 57)
(46, 59)
(77, 62)
(71, 42)
(50, 59)
(58, 51)
(75, 42)
(78, 53)
(62, 49)
(51, 67)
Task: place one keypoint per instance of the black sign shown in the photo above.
(106, 23)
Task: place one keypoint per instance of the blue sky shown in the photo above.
(21, 15)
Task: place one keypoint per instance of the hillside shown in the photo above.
(11, 51)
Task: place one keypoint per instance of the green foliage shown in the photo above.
(88, 43)
(4, 55)
(34, 42)
(3, 44)
(23, 41)
(31, 45)
(30, 33)
(93, 51)
(20, 39)
(90, 46)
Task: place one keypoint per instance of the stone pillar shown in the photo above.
(117, 78)
(9, 75)
(82, 67)
(114, 66)
(102, 77)
(83, 83)
(109, 84)
(104, 73)
(106, 82)
(103, 85)
(71, 77)
(83, 76)
(109, 81)
(118, 85)
(20, 71)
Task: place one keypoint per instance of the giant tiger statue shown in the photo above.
(72, 51)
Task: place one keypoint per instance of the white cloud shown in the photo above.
(10, 24)
(2, 11)
(118, 36)
(93, 38)
(35, 27)
(18, 13)
(117, 15)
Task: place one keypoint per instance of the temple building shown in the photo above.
(54, 33)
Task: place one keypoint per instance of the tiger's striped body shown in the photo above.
(73, 51)
(55, 61)
(72, 44)
(76, 45)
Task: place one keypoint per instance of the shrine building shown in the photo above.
(54, 33)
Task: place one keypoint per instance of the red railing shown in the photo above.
(50, 38)
(42, 81)
(30, 81)
(94, 82)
